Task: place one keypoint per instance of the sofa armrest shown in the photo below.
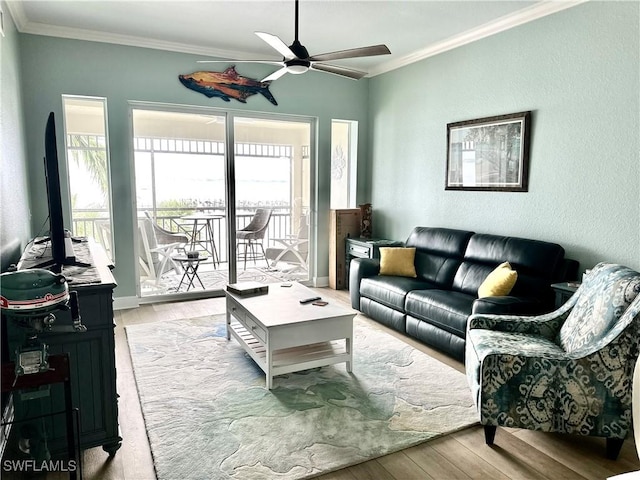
(360, 268)
(508, 305)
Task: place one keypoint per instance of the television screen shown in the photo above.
(52, 174)
(61, 242)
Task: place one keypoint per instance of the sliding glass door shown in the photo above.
(198, 201)
(272, 198)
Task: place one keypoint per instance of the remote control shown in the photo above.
(309, 300)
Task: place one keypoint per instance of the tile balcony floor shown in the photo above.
(217, 278)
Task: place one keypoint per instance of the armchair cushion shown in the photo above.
(604, 297)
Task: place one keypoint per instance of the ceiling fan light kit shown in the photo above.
(297, 66)
(296, 59)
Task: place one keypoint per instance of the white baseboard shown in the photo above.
(122, 303)
(320, 281)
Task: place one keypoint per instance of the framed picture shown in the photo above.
(490, 154)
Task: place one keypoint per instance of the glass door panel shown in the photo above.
(271, 165)
(179, 165)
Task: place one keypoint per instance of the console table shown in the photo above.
(91, 354)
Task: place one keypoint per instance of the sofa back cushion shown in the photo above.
(537, 263)
(604, 296)
(439, 252)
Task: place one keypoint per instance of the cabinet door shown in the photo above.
(93, 376)
(344, 223)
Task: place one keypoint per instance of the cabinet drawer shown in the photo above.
(237, 313)
(255, 329)
(359, 251)
(247, 321)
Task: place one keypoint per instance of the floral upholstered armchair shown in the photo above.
(567, 371)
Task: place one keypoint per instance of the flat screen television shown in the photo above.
(62, 252)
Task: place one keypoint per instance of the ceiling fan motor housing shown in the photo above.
(299, 50)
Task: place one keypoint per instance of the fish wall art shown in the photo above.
(226, 85)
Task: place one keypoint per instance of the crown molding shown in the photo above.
(539, 10)
(23, 25)
(534, 12)
(17, 14)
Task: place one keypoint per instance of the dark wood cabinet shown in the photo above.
(564, 291)
(357, 247)
(91, 356)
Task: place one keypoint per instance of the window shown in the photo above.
(85, 120)
(344, 160)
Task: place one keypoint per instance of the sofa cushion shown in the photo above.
(445, 309)
(538, 264)
(436, 337)
(499, 282)
(391, 291)
(439, 252)
(398, 261)
(383, 314)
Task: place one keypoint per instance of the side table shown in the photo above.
(358, 247)
(190, 266)
(564, 291)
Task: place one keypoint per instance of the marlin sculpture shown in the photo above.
(226, 85)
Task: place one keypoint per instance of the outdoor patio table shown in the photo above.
(203, 222)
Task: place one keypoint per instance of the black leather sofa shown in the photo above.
(450, 266)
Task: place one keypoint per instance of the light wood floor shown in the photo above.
(517, 454)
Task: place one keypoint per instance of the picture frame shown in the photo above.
(489, 154)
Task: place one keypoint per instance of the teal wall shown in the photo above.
(52, 67)
(14, 198)
(578, 72)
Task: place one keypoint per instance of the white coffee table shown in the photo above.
(283, 336)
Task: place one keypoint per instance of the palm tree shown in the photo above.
(93, 156)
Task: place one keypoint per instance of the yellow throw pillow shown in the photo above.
(398, 261)
(499, 282)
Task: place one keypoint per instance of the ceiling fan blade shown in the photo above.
(342, 71)
(278, 44)
(352, 53)
(269, 62)
(275, 75)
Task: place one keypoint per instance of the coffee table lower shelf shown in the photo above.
(292, 359)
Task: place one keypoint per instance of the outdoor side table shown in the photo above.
(190, 266)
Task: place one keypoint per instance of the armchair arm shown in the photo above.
(360, 268)
(292, 241)
(546, 325)
(291, 245)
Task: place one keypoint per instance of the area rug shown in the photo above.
(209, 416)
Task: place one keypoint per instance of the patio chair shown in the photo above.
(252, 235)
(102, 233)
(155, 258)
(293, 250)
(165, 237)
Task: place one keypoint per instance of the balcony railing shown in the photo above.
(90, 223)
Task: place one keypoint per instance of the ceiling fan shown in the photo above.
(297, 59)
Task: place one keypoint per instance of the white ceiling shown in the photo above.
(412, 30)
